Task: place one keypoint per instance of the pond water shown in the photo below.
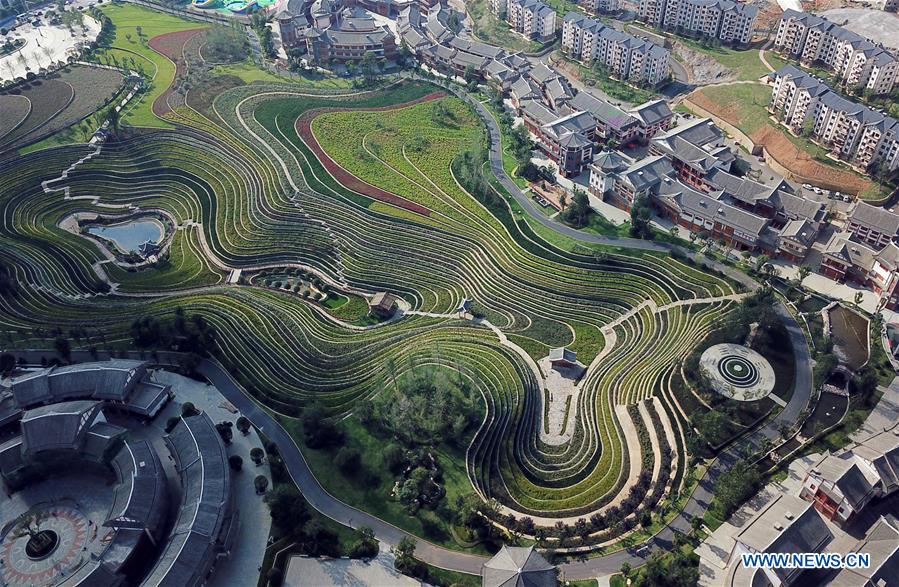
(130, 235)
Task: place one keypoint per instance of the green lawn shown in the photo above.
(126, 18)
(749, 102)
(490, 29)
(249, 72)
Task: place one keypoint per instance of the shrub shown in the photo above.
(260, 483)
(236, 463)
(257, 455)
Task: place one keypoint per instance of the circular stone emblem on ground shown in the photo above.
(737, 372)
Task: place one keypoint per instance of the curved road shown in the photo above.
(438, 556)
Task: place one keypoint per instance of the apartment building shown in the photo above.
(856, 60)
(855, 133)
(531, 18)
(625, 56)
(601, 6)
(353, 35)
(730, 22)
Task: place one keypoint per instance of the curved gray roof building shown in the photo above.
(120, 383)
(206, 519)
(518, 567)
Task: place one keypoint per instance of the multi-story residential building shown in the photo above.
(567, 138)
(612, 123)
(350, 38)
(786, 525)
(856, 60)
(601, 6)
(845, 258)
(855, 133)
(743, 213)
(729, 22)
(531, 18)
(695, 149)
(625, 56)
(838, 487)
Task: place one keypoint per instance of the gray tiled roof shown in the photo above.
(652, 112)
(59, 426)
(603, 112)
(518, 566)
(686, 199)
(788, 524)
(875, 217)
(542, 74)
(843, 472)
(205, 517)
(648, 173)
(841, 246)
(882, 544)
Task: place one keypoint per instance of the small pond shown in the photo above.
(128, 236)
(850, 337)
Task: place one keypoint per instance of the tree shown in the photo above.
(804, 271)
(275, 577)
(243, 424)
(348, 460)
(29, 524)
(735, 485)
(579, 211)
(188, 409)
(260, 483)
(225, 431)
(114, 120)
(7, 363)
(235, 462)
(859, 296)
(288, 509)
(367, 65)
(626, 570)
(405, 554)
(366, 546)
(257, 455)
(62, 346)
(641, 214)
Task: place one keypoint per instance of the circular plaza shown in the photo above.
(737, 372)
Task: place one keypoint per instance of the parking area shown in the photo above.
(877, 25)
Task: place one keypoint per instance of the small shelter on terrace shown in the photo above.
(518, 567)
(383, 304)
(562, 357)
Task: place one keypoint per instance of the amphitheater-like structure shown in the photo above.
(59, 525)
(360, 190)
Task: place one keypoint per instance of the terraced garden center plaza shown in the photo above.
(738, 372)
(307, 312)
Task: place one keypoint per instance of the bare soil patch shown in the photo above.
(171, 45)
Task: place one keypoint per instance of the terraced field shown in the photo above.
(243, 183)
(46, 106)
